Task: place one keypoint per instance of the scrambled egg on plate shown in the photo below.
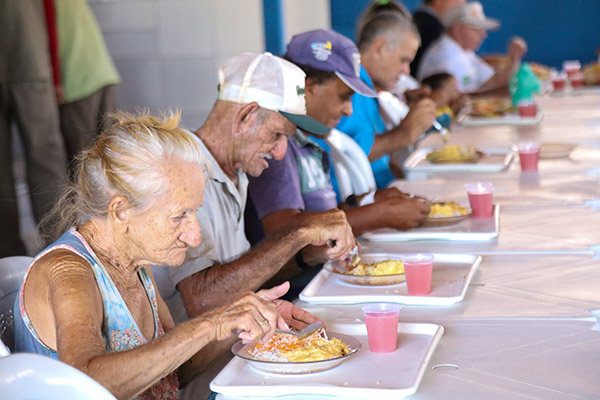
(445, 210)
(387, 267)
(454, 153)
(287, 348)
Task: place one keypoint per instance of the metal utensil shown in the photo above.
(309, 330)
(442, 130)
(352, 258)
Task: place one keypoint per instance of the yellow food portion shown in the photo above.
(445, 210)
(387, 267)
(284, 347)
(489, 107)
(454, 153)
(591, 74)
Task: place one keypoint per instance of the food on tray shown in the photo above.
(591, 74)
(386, 267)
(455, 154)
(288, 348)
(489, 108)
(446, 210)
(541, 71)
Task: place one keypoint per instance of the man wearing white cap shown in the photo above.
(261, 101)
(466, 28)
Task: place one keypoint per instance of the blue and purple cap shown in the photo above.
(327, 50)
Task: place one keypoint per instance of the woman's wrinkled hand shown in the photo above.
(251, 318)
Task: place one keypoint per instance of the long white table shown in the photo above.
(524, 329)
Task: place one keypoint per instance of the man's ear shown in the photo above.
(378, 47)
(244, 116)
(119, 212)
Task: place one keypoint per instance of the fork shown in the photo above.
(442, 130)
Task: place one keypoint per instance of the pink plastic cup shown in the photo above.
(558, 84)
(481, 199)
(528, 110)
(576, 80)
(529, 154)
(571, 67)
(418, 269)
(382, 326)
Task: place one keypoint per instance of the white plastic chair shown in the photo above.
(12, 270)
(351, 165)
(33, 376)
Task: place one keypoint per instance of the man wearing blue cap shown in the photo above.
(300, 181)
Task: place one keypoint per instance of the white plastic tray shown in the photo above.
(452, 274)
(365, 375)
(495, 160)
(469, 230)
(507, 119)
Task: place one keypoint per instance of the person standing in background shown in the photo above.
(86, 75)
(428, 19)
(27, 99)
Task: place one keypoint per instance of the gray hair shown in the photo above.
(390, 25)
(127, 159)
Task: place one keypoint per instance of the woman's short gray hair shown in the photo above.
(127, 159)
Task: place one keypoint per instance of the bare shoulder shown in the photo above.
(65, 266)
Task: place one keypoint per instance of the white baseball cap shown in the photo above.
(470, 13)
(272, 82)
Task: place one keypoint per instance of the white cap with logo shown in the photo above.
(272, 82)
(470, 13)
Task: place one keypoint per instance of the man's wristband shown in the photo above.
(352, 201)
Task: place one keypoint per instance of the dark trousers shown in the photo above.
(82, 120)
(32, 106)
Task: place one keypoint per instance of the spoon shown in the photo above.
(352, 258)
(309, 330)
(443, 131)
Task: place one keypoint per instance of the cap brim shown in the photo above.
(306, 123)
(490, 24)
(356, 84)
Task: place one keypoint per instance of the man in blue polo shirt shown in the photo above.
(387, 45)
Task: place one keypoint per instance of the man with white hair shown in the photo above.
(428, 20)
(261, 101)
(454, 53)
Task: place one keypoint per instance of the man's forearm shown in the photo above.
(214, 286)
(363, 219)
(388, 142)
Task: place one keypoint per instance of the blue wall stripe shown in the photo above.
(274, 26)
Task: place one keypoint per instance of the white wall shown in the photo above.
(306, 15)
(168, 51)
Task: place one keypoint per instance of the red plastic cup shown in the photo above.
(382, 326)
(481, 198)
(577, 80)
(418, 269)
(571, 67)
(558, 84)
(528, 110)
(529, 154)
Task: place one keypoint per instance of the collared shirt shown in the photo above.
(364, 123)
(299, 181)
(221, 218)
(446, 55)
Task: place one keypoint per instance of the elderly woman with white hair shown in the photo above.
(89, 299)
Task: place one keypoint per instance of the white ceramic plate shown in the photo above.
(241, 350)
